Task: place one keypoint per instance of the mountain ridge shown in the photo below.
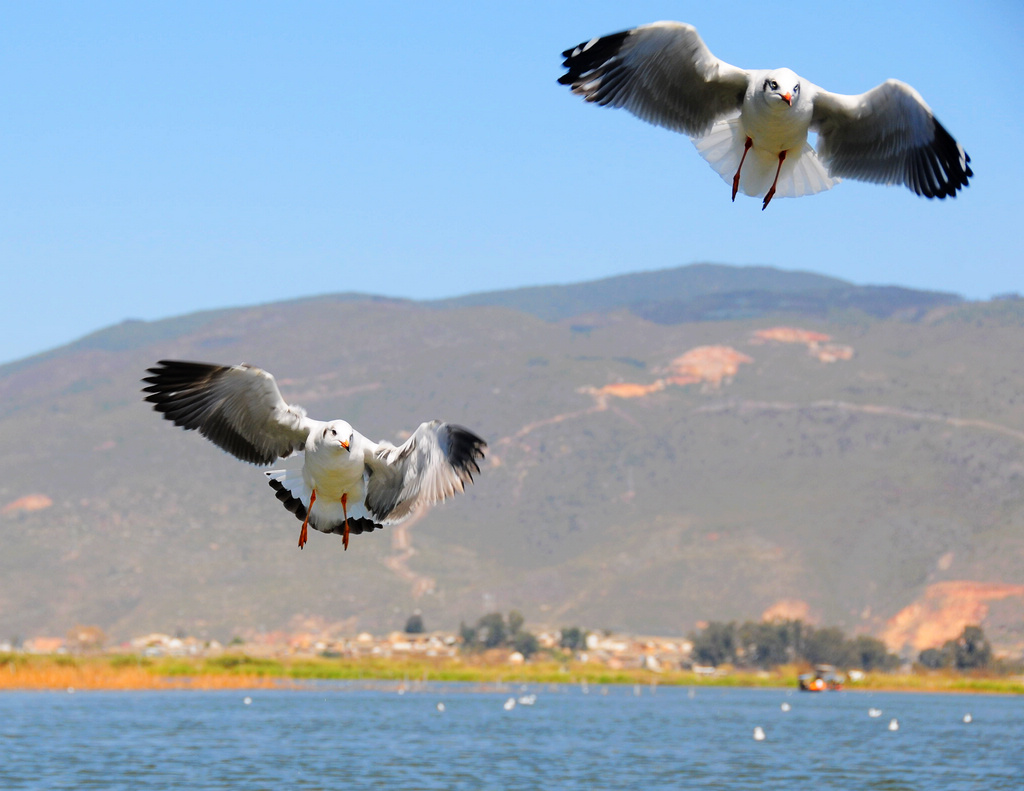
(762, 289)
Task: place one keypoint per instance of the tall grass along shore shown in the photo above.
(238, 671)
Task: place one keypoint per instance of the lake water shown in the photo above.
(356, 736)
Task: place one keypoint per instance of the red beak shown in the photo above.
(789, 98)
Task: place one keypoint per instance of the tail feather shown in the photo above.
(291, 489)
(722, 148)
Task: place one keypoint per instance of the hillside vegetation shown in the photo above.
(660, 454)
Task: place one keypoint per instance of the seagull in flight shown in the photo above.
(347, 483)
(751, 125)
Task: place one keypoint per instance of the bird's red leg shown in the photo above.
(344, 510)
(302, 535)
(736, 178)
(771, 192)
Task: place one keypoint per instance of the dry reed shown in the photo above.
(47, 674)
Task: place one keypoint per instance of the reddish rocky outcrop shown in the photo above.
(789, 335)
(706, 365)
(30, 502)
(711, 365)
(817, 343)
(943, 611)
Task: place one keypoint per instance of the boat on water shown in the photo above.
(824, 677)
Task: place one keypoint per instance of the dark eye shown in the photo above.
(334, 433)
(775, 85)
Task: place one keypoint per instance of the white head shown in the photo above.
(336, 435)
(780, 87)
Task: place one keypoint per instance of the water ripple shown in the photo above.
(360, 737)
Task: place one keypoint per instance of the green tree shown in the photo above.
(572, 638)
(936, 658)
(414, 625)
(763, 644)
(715, 644)
(491, 629)
(870, 653)
(468, 636)
(971, 650)
(793, 634)
(828, 646)
(515, 622)
(525, 643)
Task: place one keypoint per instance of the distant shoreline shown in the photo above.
(26, 672)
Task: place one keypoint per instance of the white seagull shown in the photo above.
(347, 484)
(751, 125)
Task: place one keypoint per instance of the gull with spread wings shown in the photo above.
(347, 483)
(751, 125)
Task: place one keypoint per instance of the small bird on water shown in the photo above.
(752, 125)
(347, 484)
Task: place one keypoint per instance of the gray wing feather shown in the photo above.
(238, 408)
(437, 461)
(889, 136)
(662, 73)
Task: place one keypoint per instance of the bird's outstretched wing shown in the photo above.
(437, 461)
(889, 136)
(238, 408)
(663, 73)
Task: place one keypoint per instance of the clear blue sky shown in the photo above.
(161, 158)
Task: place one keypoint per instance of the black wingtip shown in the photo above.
(180, 391)
(941, 168)
(464, 449)
(590, 55)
